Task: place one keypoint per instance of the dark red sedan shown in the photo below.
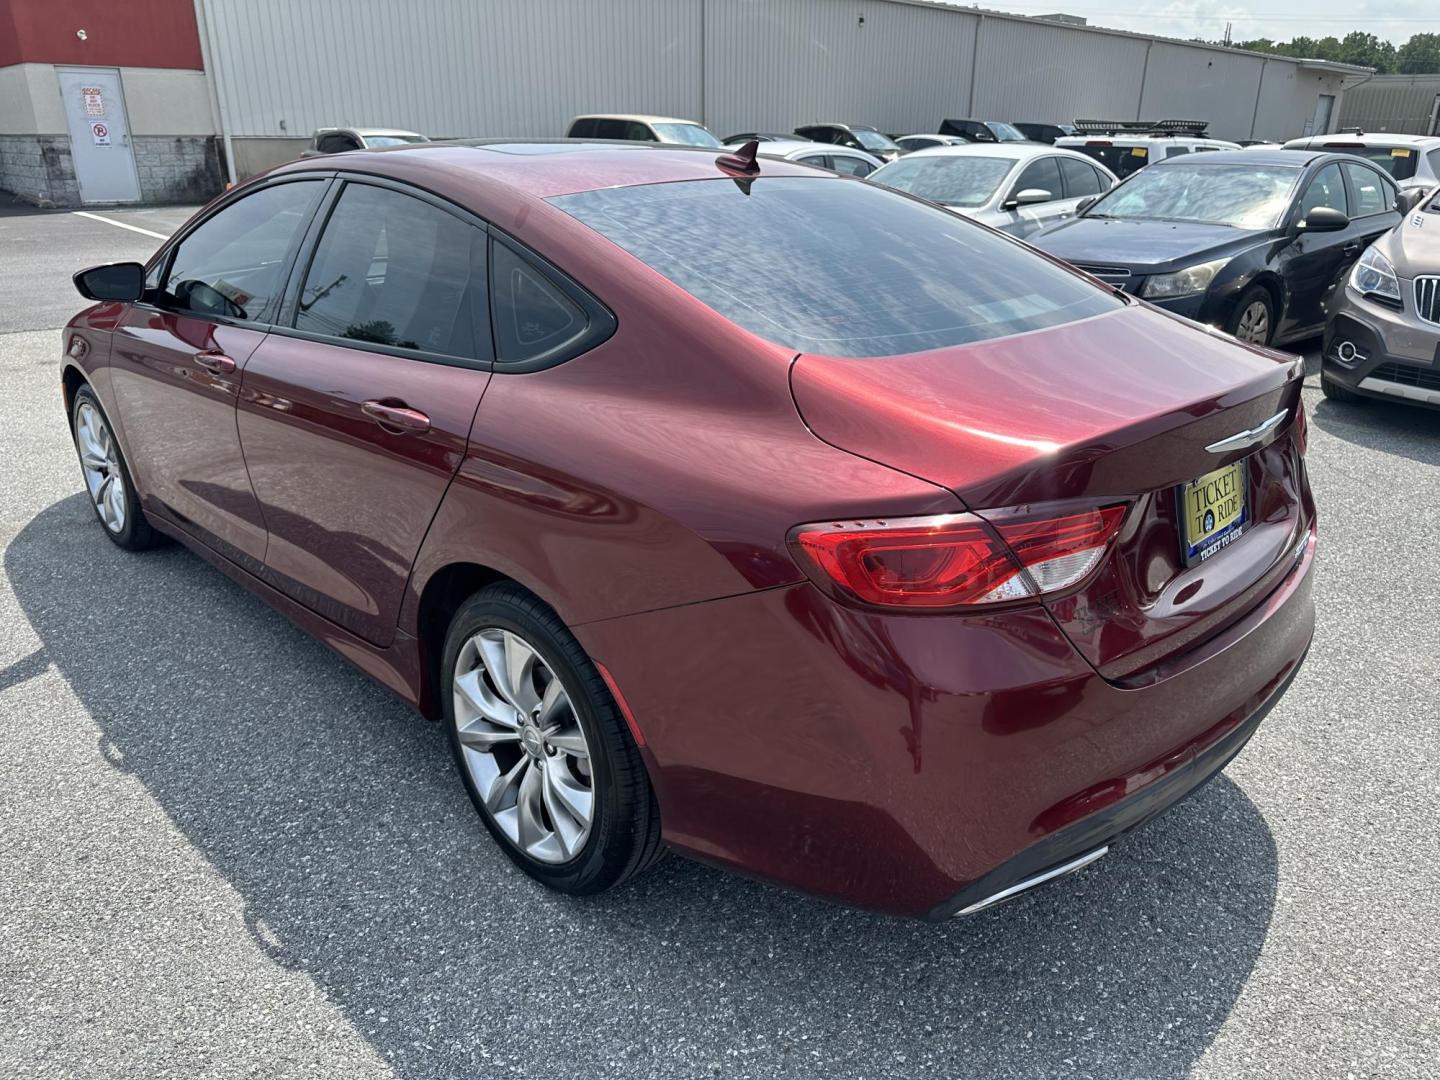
(753, 511)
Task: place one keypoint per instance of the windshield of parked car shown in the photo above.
(1005, 132)
(1398, 161)
(959, 180)
(873, 140)
(1243, 196)
(1121, 160)
(824, 266)
(393, 140)
(685, 134)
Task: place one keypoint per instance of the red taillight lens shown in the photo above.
(955, 560)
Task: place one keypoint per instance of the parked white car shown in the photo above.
(840, 159)
(1412, 160)
(911, 143)
(1018, 188)
(637, 128)
(1124, 152)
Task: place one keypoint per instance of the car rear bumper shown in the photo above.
(1382, 353)
(920, 764)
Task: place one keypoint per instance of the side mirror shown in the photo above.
(122, 281)
(1324, 219)
(1028, 197)
(1409, 199)
(1085, 203)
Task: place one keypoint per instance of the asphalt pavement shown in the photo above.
(225, 853)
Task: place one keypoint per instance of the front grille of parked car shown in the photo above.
(1114, 274)
(1427, 298)
(1408, 376)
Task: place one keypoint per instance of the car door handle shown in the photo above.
(1351, 249)
(215, 362)
(398, 419)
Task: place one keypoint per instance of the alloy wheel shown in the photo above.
(1254, 325)
(100, 462)
(523, 745)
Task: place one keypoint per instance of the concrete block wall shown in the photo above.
(38, 169)
(178, 168)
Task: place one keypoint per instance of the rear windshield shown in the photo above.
(1121, 160)
(954, 180)
(837, 267)
(685, 134)
(1398, 161)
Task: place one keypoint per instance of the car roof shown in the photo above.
(534, 169)
(781, 147)
(1369, 138)
(1014, 151)
(640, 117)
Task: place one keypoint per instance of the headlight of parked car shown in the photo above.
(1374, 274)
(1187, 282)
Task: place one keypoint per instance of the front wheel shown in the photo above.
(542, 747)
(107, 478)
(1254, 318)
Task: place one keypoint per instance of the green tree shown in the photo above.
(1419, 56)
(1367, 50)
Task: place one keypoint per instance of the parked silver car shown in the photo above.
(1412, 160)
(840, 159)
(1018, 188)
(911, 143)
(1383, 334)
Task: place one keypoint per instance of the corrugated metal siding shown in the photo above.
(452, 67)
(1201, 84)
(1036, 71)
(524, 67)
(775, 64)
(1404, 103)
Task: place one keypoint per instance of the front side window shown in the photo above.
(1327, 189)
(233, 265)
(686, 135)
(1371, 194)
(1042, 174)
(392, 270)
(961, 180)
(851, 166)
(873, 140)
(1081, 178)
(819, 266)
(1005, 132)
(1244, 196)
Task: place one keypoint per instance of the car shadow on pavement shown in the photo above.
(1406, 430)
(334, 812)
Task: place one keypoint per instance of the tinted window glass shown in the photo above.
(533, 316)
(1398, 161)
(844, 269)
(1371, 194)
(1246, 196)
(233, 264)
(961, 180)
(873, 140)
(394, 270)
(816, 161)
(1327, 189)
(582, 129)
(1121, 160)
(850, 166)
(1042, 173)
(638, 132)
(610, 129)
(1080, 178)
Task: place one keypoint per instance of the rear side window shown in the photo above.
(610, 129)
(392, 270)
(1080, 178)
(850, 166)
(232, 266)
(842, 269)
(582, 129)
(541, 317)
(1370, 194)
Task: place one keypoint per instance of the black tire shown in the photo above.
(624, 836)
(1255, 295)
(1335, 392)
(135, 533)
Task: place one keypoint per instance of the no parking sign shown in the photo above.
(100, 132)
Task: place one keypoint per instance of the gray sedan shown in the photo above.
(1018, 188)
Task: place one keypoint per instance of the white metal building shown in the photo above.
(525, 67)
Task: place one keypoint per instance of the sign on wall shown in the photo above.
(94, 99)
(100, 133)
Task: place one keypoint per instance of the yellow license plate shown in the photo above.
(1214, 510)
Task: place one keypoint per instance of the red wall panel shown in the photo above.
(135, 33)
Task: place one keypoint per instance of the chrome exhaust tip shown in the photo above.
(1030, 882)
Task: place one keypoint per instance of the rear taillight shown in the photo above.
(956, 560)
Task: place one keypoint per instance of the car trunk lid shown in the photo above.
(1127, 407)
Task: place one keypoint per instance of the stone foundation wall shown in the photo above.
(172, 169)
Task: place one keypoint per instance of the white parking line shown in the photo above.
(120, 224)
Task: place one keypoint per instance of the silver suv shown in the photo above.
(1382, 338)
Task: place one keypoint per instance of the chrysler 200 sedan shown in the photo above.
(719, 505)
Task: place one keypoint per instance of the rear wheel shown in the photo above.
(1335, 392)
(107, 479)
(1254, 318)
(543, 750)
